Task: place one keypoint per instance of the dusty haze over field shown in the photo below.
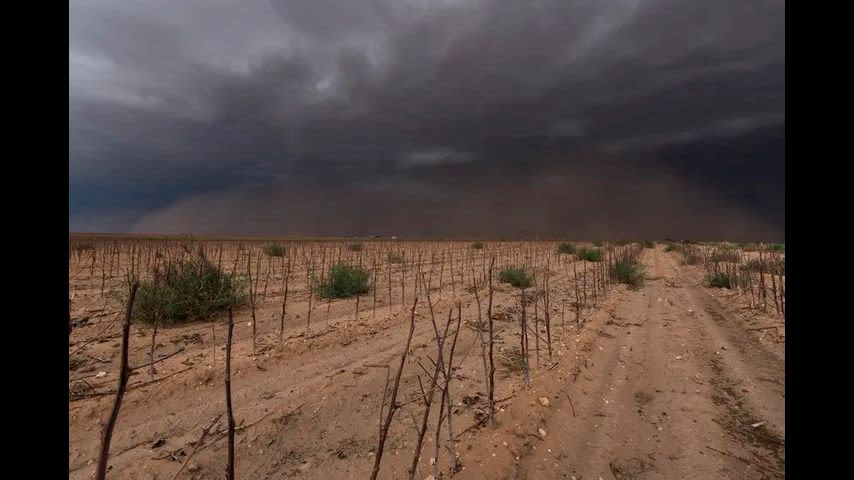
(595, 118)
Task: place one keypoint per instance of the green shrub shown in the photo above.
(344, 281)
(669, 248)
(628, 271)
(591, 254)
(649, 244)
(275, 250)
(516, 276)
(187, 290)
(355, 247)
(621, 243)
(777, 247)
(597, 243)
(477, 245)
(395, 258)
(566, 248)
(719, 280)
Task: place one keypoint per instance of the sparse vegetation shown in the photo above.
(511, 360)
(355, 247)
(649, 244)
(82, 247)
(690, 254)
(292, 297)
(597, 243)
(275, 250)
(566, 248)
(719, 280)
(590, 254)
(777, 247)
(725, 255)
(775, 265)
(477, 245)
(187, 290)
(516, 276)
(344, 281)
(621, 243)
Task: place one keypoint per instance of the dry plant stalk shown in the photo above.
(197, 445)
(374, 308)
(285, 279)
(358, 295)
(393, 401)
(491, 344)
(428, 397)
(124, 375)
(577, 296)
(536, 322)
(449, 373)
(229, 411)
(440, 339)
(310, 298)
(251, 297)
(547, 307)
(524, 342)
(389, 288)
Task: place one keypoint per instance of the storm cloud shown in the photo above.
(596, 118)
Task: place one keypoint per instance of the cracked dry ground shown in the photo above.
(661, 382)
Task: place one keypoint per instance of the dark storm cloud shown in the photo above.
(333, 116)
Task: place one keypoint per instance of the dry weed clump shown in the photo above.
(344, 281)
(275, 250)
(187, 290)
(511, 360)
(628, 271)
(590, 254)
(566, 248)
(719, 280)
(516, 276)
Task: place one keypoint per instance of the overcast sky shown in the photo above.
(560, 118)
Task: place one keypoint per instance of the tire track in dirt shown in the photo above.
(748, 384)
(659, 396)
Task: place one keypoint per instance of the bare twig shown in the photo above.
(491, 343)
(199, 443)
(230, 414)
(158, 360)
(428, 400)
(392, 405)
(124, 375)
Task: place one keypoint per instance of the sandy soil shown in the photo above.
(661, 382)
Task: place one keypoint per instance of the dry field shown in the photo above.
(664, 377)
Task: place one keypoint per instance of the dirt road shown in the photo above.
(675, 381)
(660, 382)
